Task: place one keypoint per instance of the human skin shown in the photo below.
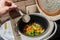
(4, 7)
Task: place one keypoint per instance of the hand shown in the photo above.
(6, 6)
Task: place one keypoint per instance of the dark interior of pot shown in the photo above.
(34, 19)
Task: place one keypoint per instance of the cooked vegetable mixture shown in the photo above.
(33, 29)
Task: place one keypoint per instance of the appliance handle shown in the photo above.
(53, 32)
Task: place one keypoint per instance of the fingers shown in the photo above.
(10, 4)
(13, 6)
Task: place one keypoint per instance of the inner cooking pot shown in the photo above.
(34, 19)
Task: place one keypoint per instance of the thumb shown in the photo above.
(4, 10)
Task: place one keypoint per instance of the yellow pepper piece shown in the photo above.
(41, 31)
(5, 26)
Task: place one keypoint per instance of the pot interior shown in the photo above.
(34, 19)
